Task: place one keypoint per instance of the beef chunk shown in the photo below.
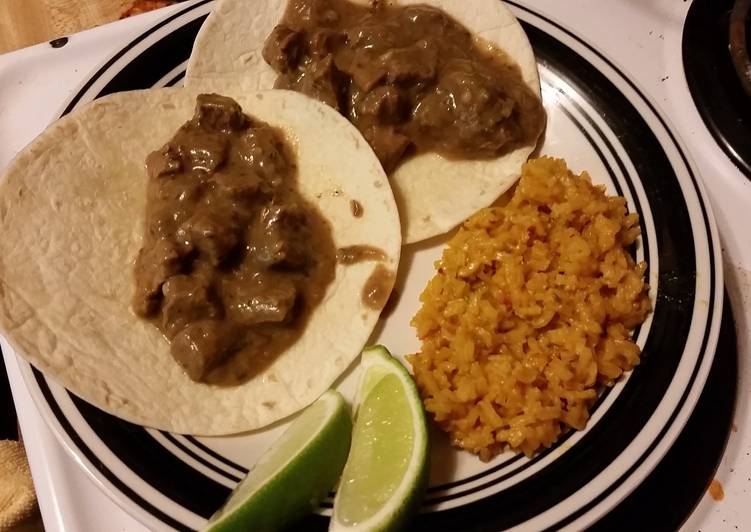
(154, 265)
(413, 63)
(163, 162)
(186, 299)
(281, 236)
(389, 145)
(205, 152)
(324, 82)
(265, 303)
(282, 48)
(468, 100)
(214, 235)
(323, 41)
(320, 79)
(362, 66)
(386, 104)
(237, 185)
(201, 346)
(218, 113)
(372, 32)
(261, 150)
(320, 12)
(422, 16)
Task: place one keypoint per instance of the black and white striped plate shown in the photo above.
(600, 121)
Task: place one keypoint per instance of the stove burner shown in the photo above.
(715, 87)
(739, 22)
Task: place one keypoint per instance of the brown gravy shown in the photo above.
(359, 253)
(234, 258)
(376, 290)
(411, 79)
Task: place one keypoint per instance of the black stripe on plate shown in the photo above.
(197, 457)
(710, 241)
(145, 70)
(702, 351)
(477, 476)
(106, 66)
(592, 143)
(539, 456)
(174, 80)
(684, 470)
(645, 455)
(153, 463)
(214, 454)
(618, 160)
(95, 461)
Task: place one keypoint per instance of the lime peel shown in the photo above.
(295, 474)
(384, 383)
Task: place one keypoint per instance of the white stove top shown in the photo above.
(645, 44)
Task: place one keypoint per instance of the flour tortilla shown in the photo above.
(71, 219)
(433, 194)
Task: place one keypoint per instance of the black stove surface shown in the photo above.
(713, 82)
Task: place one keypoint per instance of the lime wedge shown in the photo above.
(386, 471)
(294, 474)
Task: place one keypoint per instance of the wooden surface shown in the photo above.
(27, 22)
